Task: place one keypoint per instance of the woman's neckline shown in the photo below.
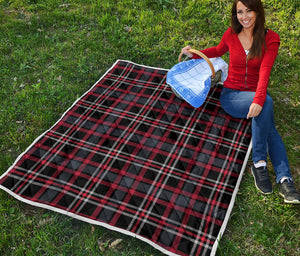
(243, 37)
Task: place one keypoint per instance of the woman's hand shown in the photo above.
(254, 110)
(185, 51)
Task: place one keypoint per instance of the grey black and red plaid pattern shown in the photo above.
(131, 155)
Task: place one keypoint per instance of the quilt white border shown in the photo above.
(108, 226)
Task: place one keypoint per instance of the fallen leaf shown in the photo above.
(64, 5)
(102, 245)
(115, 243)
(45, 221)
(92, 229)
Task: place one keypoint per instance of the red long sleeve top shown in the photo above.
(246, 75)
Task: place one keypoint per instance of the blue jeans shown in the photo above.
(265, 138)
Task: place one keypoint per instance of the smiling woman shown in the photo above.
(253, 50)
(248, 21)
(246, 16)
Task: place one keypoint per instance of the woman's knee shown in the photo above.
(236, 103)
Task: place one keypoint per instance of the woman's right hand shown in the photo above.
(184, 51)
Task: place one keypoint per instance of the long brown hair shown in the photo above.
(259, 27)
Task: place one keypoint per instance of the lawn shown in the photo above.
(52, 51)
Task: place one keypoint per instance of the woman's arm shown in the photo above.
(270, 55)
(265, 71)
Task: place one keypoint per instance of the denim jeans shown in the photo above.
(265, 138)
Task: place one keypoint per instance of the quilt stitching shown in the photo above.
(131, 155)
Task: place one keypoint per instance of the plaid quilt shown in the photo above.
(130, 156)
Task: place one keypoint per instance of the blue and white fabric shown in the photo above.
(191, 79)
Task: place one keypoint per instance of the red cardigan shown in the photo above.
(252, 75)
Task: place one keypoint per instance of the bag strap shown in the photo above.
(204, 57)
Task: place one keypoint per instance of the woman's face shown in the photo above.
(245, 16)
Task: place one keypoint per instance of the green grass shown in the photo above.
(53, 51)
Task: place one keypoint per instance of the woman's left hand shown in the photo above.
(254, 110)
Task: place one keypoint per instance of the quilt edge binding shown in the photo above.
(223, 227)
(231, 204)
(75, 216)
(90, 221)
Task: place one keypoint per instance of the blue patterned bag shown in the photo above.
(191, 80)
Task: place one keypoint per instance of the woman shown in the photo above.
(253, 50)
